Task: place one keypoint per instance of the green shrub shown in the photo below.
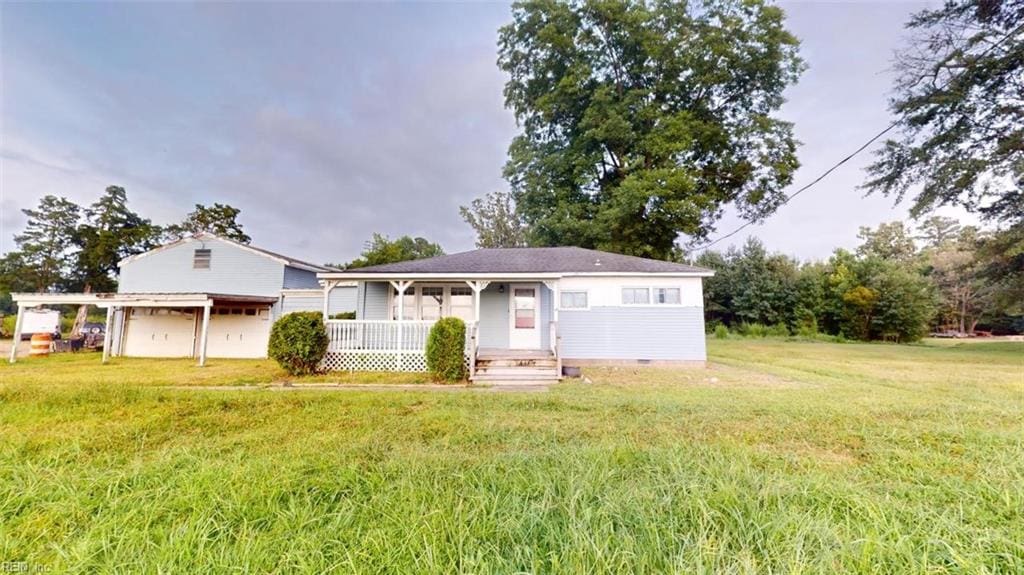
(343, 315)
(778, 329)
(752, 330)
(298, 341)
(446, 346)
(808, 331)
(721, 332)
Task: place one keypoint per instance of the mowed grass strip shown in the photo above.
(797, 458)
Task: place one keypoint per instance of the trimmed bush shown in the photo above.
(343, 315)
(446, 346)
(298, 341)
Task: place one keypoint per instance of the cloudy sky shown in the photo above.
(327, 122)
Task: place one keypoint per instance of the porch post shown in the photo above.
(328, 286)
(108, 334)
(17, 332)
(202, 335)
(400, 287)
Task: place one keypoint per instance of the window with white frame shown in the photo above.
(573, 300)
(461, 303)
(668, 295)
(636, 296)
(431, 302)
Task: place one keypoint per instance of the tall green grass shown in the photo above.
(782, 457)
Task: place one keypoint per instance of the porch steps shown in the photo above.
(516, 368)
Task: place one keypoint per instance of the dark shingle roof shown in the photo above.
(533, 260)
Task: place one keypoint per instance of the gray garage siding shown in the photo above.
(295, 278)
(233, 270)
(629, 333)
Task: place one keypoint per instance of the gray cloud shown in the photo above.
(327, 122)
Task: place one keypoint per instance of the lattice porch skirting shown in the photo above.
(411, 361)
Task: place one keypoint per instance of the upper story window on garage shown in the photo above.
(201, 259)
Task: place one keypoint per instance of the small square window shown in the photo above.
(201, 259)
(636, 296)
(573, 300)
(666, 296)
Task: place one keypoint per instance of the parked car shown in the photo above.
(40, 321)
(92, 334)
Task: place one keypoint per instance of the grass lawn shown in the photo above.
(783, 457)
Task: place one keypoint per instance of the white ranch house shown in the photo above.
(528, 311)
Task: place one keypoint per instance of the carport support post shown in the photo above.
(108, 334)
(17, 333)
(202, 335)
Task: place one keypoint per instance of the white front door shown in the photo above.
(524, 316)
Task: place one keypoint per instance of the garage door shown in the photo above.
(238, 332)
(157, 332)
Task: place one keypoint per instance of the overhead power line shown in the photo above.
(855, 152)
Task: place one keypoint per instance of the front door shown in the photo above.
(524, 320)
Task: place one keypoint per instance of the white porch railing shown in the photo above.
(382, 345)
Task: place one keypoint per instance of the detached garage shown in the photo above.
(204, 296)
(238, 327)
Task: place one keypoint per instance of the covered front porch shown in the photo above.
(504, 316)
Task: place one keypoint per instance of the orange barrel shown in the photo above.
(40, 345)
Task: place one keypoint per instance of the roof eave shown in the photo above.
(384, 276)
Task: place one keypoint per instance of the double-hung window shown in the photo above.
(666, 296)
(573, 300)
(636, 296)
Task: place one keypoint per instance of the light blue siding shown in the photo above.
(633, 333)
(233, 270)
(295, 278)
(293, 303)
(545, 317)
(342, 299)
(494, 317)
(372, 300)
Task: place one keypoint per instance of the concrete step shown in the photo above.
(509, 362)
(507, 380)
(517, 370)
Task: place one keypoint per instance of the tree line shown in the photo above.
(898, 285)
(68, 247)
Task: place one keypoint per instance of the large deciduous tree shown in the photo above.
(960, 106)
(218, 219)
(495, 220)
(643, 121)
(382, 250)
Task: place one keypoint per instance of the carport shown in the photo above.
(131, 303)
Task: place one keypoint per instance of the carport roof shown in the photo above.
(197, 299)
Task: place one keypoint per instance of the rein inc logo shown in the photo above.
(23, 567)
